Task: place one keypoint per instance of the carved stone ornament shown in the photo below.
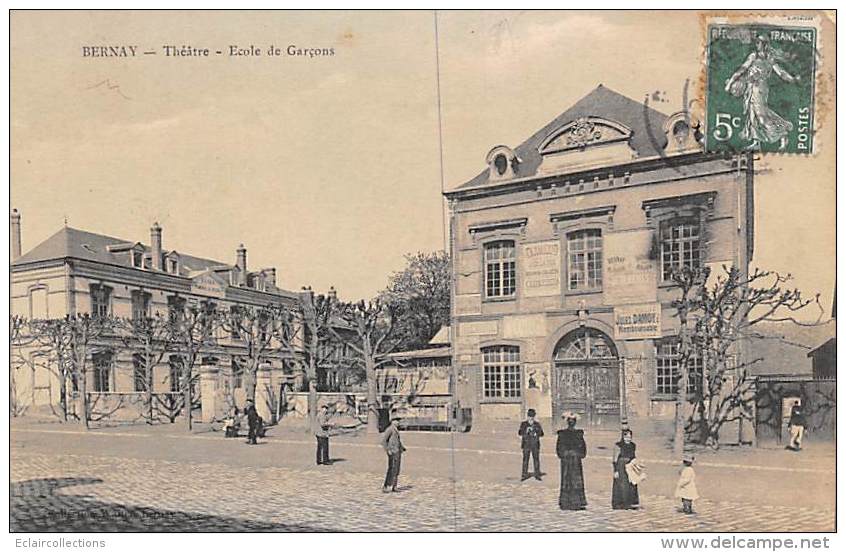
(582, 132)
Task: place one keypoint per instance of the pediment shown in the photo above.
(208, 283)
(584, 132)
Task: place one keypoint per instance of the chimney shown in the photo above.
(15, 233)
(333, 293)
(241, 263)
(270, 276)
(156, 245)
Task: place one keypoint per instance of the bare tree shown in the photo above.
(149, 338)
(21, 338)
(714, 319)
(52, 346)
(192, 329)
(373, 325)
(84, 333)
(258, 329)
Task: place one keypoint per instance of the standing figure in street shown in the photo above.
(571, 449)
(624, 495)
(531, 432)
(321, 432)
(392, 444)
(797, 426)
(686, 487)
(252, 421)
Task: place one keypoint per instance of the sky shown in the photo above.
(329, 167)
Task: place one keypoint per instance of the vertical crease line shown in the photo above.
(446, 245)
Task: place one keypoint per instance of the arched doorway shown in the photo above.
(587, 378)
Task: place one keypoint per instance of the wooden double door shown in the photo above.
(589, 388)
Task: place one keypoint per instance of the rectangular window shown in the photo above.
(139, 373)
(100, 300)
(500, 269)
(140, 305)
(681, 246)
(175, 363)
(584, 260)
(501, 372)
(237, 374)
(102, 372)
(137, 258)
(667, 369)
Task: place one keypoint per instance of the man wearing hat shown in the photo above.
(530, 432)
(392, 444)
(321, 432)
(252, 421)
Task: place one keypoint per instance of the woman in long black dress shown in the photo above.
(624, 495)
(571, 449)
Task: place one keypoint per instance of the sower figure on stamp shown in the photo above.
(252, 421)
(531, 432)
(571, 449)
(797, 426)
(751, 82)
(321, 432)
(392, 444)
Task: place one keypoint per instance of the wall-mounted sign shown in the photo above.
(630, 275)
(209, 285)
(541, 264)
(637, 321)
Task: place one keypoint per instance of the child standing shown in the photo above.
(686, 487)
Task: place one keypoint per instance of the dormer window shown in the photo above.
(137, 259)
(682, 132)
(171, 263)
(503, 163)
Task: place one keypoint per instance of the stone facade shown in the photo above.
(77, 272)
(560, 252)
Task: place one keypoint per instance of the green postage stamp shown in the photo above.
(760, 88)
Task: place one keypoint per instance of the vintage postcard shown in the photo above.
(423, 271)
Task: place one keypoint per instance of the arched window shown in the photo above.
(585, 344)
(500, 269)
(38, 303)
(501, 372)
(584, 260)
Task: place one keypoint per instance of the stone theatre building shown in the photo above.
(563, 248)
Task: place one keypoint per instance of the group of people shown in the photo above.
(628, 472)
(390, 440)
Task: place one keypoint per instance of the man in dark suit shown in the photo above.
(530, 432)
(252, 421)
(797, 424)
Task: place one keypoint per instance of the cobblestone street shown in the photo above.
(98, 491)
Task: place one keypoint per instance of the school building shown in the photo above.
(78, 272)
